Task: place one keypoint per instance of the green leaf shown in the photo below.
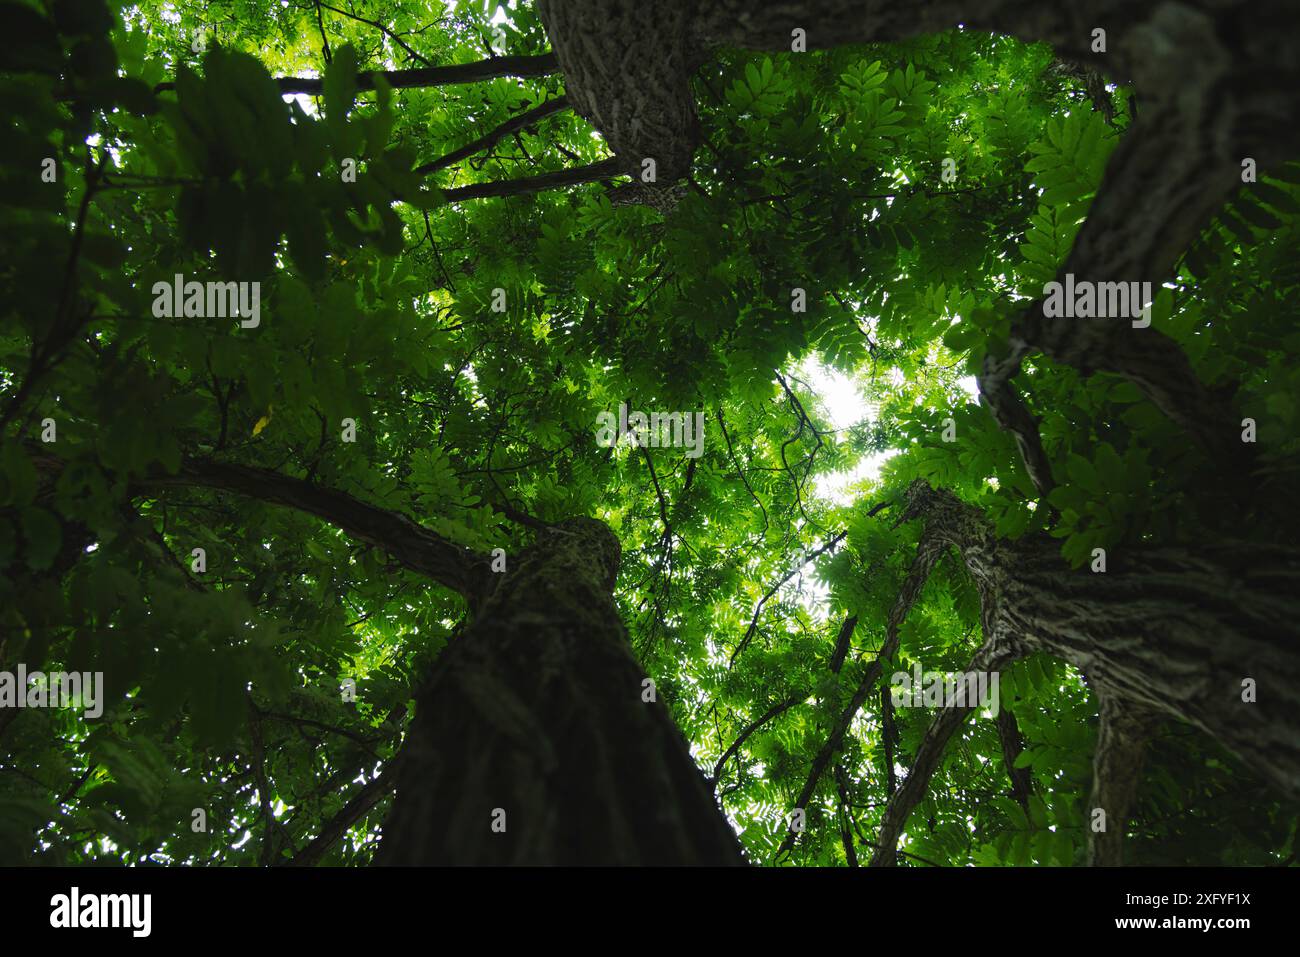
(17, 475)
(1275, 196)
(30, 41)
(42, 536)
(1256, 215)
(340, 83)
(82, 16)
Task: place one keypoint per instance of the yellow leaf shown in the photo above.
(264, 421)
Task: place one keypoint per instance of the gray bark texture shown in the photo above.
(1170, 631)
(1163, 632)
(538, 710)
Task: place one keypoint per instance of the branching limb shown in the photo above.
(928, 551)
(377, 25)
(758, 608)
(991, 657)
(722, 423)
(776, 710)
(411, 545)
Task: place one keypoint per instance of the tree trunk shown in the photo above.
(1207, 634)
(533, 742)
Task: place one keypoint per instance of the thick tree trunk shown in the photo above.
(627, 69)
(533, 741)
(1209, 635)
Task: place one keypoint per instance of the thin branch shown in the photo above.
(929, 754)
(44, 355)
(325, 41)
(425, 77)
(768, 715)
(357, 808)
(377, 25)
(739, 470)
(928, 551)
(758, 609)
(846, 831)
(559, 179)
(527, 118)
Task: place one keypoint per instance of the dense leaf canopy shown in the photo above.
(856, 233)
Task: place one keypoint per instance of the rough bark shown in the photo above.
(1022, 780)
(1172, 631)
(627, 69)
(537, 708)
(538, 711)
(1122, 739)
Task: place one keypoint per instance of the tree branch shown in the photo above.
(842, 642)
(357, 808)
(511, 125)
(771, 713)
(424, 77)
(411, 545)
(536, 184)
(1022, 781)
(758, 609)
(950, 717)
(928, 551)
(376, 24)
(889, 739)
(1117, 765)
(846, 831)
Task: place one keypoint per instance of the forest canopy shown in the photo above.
(555, 433)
